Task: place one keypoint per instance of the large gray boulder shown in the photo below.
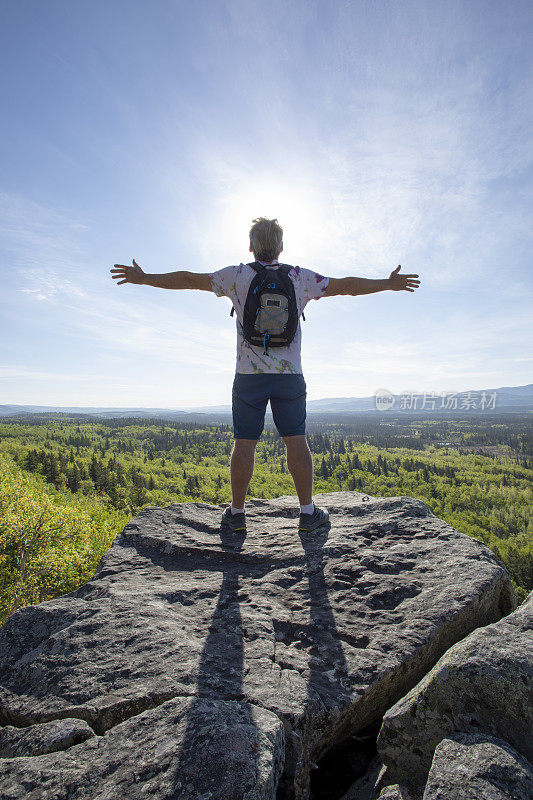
(320, 635)
(184, 748)
(483, 684)
(473, 767)
(45, 737)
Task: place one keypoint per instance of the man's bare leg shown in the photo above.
(241, 469)
(300, 464)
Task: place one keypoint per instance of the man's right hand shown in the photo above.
(127, 274)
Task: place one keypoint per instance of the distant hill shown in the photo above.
(503, 399)
(96, 411)
(507, 398)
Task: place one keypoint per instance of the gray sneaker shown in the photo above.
(319, 517)
(237, 522)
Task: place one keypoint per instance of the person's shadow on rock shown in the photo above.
(328, 685)
(231, 540)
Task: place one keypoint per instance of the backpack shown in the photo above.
(270, 315)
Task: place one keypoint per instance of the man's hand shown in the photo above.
(127, 274)
(354, 286)
(398, 282)
(182, 279)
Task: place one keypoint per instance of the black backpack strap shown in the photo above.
(257, 266)
(286, 268)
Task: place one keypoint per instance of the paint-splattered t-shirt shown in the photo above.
(233, 282)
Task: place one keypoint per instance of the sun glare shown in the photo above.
(296, 208)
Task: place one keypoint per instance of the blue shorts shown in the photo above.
(250, 395)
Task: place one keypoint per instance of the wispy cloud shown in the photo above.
(37, 236)
(393, 160)
(46, 285)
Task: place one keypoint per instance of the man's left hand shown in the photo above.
(399, 282)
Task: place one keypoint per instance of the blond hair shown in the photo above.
(266, 239)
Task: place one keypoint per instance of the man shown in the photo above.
(262, 375)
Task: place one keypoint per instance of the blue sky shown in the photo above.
(378, 133)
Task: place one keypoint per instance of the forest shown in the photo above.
(68, 485)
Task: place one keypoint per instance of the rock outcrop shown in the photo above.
(184, 748)
(473, 767)
(481, 685)
(47, 737)
(212, 666)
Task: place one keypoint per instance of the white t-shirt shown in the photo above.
(233, 282)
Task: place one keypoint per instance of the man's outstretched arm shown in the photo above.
(355, 286)
(169, 280)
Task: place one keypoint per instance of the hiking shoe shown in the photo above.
(319, 517)
(237, 522)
